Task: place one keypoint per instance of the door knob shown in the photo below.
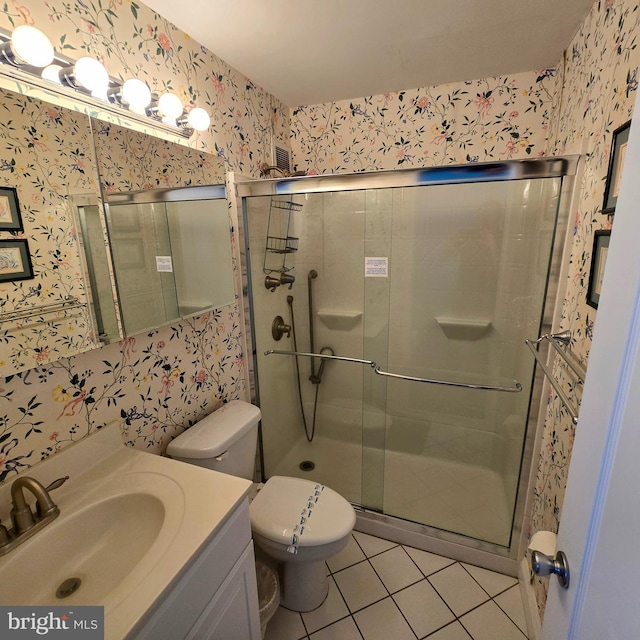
(543, 565)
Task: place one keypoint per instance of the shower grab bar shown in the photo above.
(556, 340)
(376, 368)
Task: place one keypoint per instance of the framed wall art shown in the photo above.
(598, 264)
(616, 164)
(10, 219)
(15, 261)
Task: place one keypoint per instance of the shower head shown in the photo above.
(313, 274)
(289, 300)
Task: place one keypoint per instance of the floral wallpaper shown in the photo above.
(134, 161)
(493, 118)
(153, 385)
(46, 153)
(600, 89)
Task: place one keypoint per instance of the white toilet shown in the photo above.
(298, 523)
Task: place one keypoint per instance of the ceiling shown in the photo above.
(315, 51)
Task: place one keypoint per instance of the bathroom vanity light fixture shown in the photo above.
(86, 74)
(133, 94)
(27, 46)
(27, 52)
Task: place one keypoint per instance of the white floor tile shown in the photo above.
(489, 622)
(331, 610)
(372, 545)
(423, 608)
(360, 586)
(351, 554)
(511, 603)
(383, 621)
(285, 625)
(493, 583)
(428, 562)
(458, 589)
(344, 630)
(396, 569)
(454, 631)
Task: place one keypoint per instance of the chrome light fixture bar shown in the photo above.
(27, 55)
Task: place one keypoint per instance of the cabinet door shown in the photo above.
(232, 613)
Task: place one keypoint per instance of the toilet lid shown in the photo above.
(297, 512)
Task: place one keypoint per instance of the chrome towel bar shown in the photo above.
(560, 343)
(69, 302)
(517, 387)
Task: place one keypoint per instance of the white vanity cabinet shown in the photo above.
(216, 596)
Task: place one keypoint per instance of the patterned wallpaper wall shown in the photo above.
(46, 153)
(154, 384)
(600, 89)
(493, 118)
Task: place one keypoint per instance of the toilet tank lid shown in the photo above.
(216, 432)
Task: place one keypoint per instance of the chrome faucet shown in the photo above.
(26, 522)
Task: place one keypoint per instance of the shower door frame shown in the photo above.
(453, 545)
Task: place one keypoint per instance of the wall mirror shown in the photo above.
(171, 256)
(66, 284)
(166, 231)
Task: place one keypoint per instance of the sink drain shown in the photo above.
(68, 588)
(307, 465)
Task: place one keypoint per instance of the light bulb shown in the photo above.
(52, 73)
(31, 46)
(198, 119)
(136, 94)
(91, 74)
(170, 106)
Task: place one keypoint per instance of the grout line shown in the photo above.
(458, 619)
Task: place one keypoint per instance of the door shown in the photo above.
(601, 513)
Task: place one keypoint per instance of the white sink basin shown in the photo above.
(130, 522)
(92, 550)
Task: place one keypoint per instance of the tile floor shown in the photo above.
(380, 590)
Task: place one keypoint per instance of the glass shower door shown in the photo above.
(443, 282)
(455, 280)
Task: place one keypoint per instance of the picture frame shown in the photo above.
(15, 261)
(616, 164)
(10, 219)
(598, 264)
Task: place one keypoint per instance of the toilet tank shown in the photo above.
(225, 440)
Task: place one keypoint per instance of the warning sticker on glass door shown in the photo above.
(377, 267)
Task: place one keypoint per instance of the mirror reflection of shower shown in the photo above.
(315, 376)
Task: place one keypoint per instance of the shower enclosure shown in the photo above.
(415, 291)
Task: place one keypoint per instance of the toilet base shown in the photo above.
(305, 585)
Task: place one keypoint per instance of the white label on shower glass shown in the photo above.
(376, 267)
(163, 263)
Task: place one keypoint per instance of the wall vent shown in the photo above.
(281, 157)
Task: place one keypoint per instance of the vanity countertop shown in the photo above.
(196, 502)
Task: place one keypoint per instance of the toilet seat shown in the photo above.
(300, 513)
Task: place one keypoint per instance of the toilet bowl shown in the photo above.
(297, 522)
(301, 524)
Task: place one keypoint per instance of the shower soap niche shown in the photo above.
(339, 320)
(463, 328)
